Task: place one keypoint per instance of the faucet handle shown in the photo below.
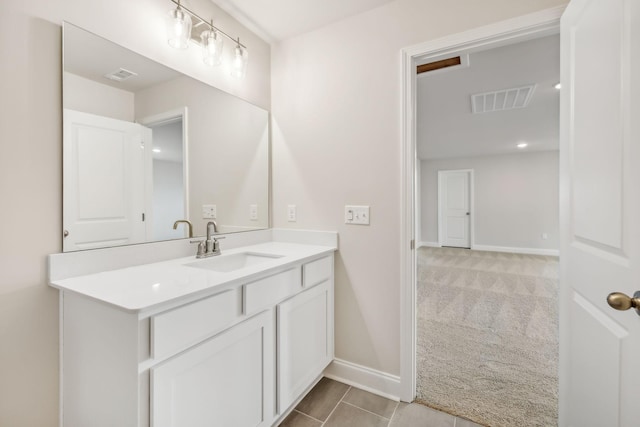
(201, 248)
(219, 238)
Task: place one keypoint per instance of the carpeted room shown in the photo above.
(488, 180)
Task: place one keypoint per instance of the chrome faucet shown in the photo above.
(210, 246)
(185, 221)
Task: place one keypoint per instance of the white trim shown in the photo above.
(525, 27)
(470, 196)
(428, 245)
(529, 251)
(371, 380)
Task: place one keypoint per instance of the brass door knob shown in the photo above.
(621, 301)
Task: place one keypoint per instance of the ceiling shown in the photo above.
(92, 57)
(446, 126)
(276, 20)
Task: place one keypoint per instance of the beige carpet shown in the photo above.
(488, 336)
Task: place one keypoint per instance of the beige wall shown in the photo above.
(336, 103)
(92, 97)
(515, 199)
(228, 164)
(31, 172)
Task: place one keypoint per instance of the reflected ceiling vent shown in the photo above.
(501, 100)
(120, 75)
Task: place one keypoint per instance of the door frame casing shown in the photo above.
(470, 195)
(514, 30)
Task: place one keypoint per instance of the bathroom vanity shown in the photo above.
(231, 340)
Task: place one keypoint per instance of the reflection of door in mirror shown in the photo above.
(106, 179)
(170, 179)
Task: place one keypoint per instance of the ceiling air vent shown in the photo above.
(501, 100)
(120, 75)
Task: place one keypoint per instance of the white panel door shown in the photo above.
(454, 208)
(305, 341)
(225, 381)
(104, 181)
(600, 206)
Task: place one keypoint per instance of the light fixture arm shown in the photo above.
(209, 24)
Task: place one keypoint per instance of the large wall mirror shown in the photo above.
(149, 152)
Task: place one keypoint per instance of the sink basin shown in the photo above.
(232, 262)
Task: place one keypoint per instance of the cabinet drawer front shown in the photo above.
(318, 271)
(184, 326)
(270, 290)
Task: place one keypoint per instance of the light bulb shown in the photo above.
(178, 28)
(211, 47)
(239, 64)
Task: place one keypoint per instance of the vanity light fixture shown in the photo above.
(522, 145)
(210, 39)
(178, 27)
(239, 66)
(211, 46)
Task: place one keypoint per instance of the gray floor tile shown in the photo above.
(298, 419)
(416, 415)
(346, 415)
(370, 402)
(321, 400)
(461, 422)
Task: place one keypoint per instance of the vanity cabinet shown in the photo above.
(240, 355)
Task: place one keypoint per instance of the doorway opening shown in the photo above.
(481, 353)
(169, 159)
(526, 28)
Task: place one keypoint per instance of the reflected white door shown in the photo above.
(600, 213)
(454, 210)
(104, 181)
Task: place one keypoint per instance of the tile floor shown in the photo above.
(334, 404)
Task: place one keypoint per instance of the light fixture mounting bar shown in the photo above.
(207, 23)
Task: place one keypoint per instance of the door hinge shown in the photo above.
(413, 244)
(143, 217)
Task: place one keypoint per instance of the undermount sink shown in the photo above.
(232, 262)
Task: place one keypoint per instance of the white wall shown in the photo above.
(336, 103)
(92, 97)
(31, 174)
(168, 200)
(515, 198)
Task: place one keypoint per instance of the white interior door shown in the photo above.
(104, 181)
(600, 205)
(454, 208)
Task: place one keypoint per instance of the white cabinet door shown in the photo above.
(226, 381)
(305, 341)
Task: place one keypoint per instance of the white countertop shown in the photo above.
(148, 286)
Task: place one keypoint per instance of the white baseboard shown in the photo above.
(528, 251)
(428, 244)
(371, 380)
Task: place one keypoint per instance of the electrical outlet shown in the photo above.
(356, 215)
(209, 211)
(253, 212)
(291, 213)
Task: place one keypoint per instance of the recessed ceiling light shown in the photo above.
(558, 86)
(522, 145)
(156, 150)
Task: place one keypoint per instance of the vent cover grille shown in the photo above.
(501, 100)
(120, 75)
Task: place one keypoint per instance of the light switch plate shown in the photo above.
(291, 213)
(253, 212)
(209, 211)
(356, 215)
